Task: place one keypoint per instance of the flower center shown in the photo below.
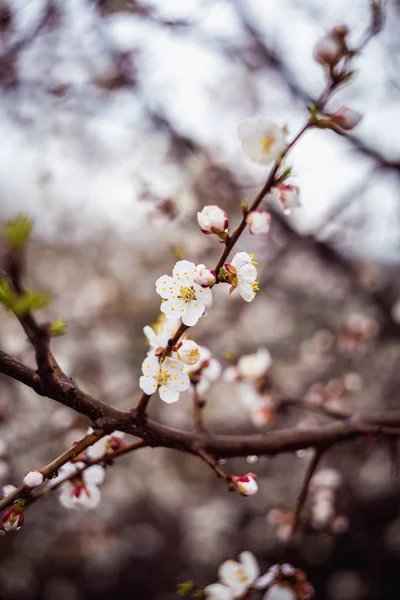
(255, 287)
(241, 575)
(266, 143)
(162, 377)
(187, 294)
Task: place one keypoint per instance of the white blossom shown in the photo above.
(212, 219)
(325, 478)
(169, 377)
(204, 276)
(106, 444)
(205, 371)
(288, 196)
(33, 479)
(183, 297)
(279, 592)
(246, 484)
(242, 275)
(81, 491)
(258, 221)
(218, 591)
(8, 489)
(262, 141)
(253, 366)
(163, 330)
(239, 576)
(189, 352)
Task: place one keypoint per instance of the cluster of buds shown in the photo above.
(80, 488)
(333, 394)
(212, 219)
(323, 489)
(356, 333)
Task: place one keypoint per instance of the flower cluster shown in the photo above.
(251, 375)
(333, 394)
(237, 578)
(241, 274)
(204, 372)
(80, 490)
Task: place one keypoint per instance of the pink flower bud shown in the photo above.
(246, 484)
(212, 219)
(346, 119)
(8, 489)
(258, 221)
(33, 479)
(12, 519)
(204, 277)
(332, 47)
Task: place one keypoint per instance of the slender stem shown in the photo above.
(198, 406)
(216, 468)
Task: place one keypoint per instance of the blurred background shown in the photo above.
(118, 122)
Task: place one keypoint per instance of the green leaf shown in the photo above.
(7, 297)
(57, 328)
(184, 589)
(17, 231)
(30, 301)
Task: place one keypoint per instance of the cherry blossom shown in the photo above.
(163, 330)
(250, 366)
(246, 484)
(169, 377)
(183, 297)
(33, 479)
(205, 371)
(106, 444)
(81, 490)
(189, 352)
(288, 196)
(242, 274)
(262, 140)
(258, 221)
(239, 576)
(8, 489)
(212, 219)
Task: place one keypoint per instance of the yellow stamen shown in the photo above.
(266, 143)
(253, 262)
(187, 294)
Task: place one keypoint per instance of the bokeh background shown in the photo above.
(118, 122)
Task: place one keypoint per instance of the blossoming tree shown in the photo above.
(175, 364)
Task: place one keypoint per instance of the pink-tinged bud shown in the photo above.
(212, 219)
(12, 519)
(246, 484)
(346, 119)
(189, 352)
(33, 479)
(258, 221)
(8, 489)
(288, 197)
(204, 277)
(332, 47)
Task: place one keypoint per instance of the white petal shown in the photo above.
(99, 448)
(150, 366)
(184, 269)
(168, 394)
(279, 592)
(94, 475)
(204, 295)
(240, 259)
(194, 310)
(246, 291)
(173, 308)
(231, 573)
(247, 273)
(147, 384)
(217, 591)
(250, 564)
(165, 286)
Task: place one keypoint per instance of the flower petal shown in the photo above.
(246, 291)
(165, 286)
(194, 310)
(249, 562)
(148, 384)
(150, 366)
(217, 591)
(94, 475)
(168, 394)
